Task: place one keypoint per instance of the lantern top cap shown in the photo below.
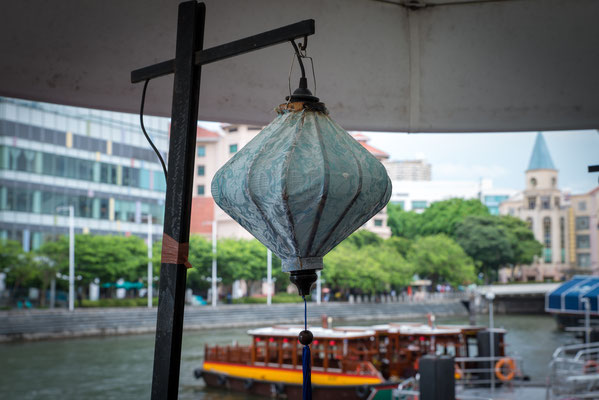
(300, 106)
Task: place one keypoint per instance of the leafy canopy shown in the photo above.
(441, 217)
(440, 259)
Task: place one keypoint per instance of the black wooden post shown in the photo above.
(173, 272)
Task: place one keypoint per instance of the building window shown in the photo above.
(582, 223)
(201, 170)
(547, 255)
(200, 190)
(493, 210)
(557, 202)
(529, 223)
(419, 204)
(378, 222)
(401, 204)
(553, 181)
(583, 260)
(532, 203)
(533, 182)
(511, 211)
(547, 238)
(582, 205)
(545, 202)
(201, 151)
(583, 242)
(495, 200)
(232, 148)
(562, 238)
(232, 129)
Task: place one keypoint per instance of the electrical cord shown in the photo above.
(143, 128)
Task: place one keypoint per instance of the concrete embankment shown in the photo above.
(48, 324)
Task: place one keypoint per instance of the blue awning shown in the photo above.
(567, 298)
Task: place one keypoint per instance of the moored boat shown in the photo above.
(351, 362)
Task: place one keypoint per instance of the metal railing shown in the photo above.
(475, 371)
(574, 372)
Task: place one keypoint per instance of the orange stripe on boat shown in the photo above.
(289, 375)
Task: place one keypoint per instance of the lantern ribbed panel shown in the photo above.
(302, 186)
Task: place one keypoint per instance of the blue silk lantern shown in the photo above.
(301, 186)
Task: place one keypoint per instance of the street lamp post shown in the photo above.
(587, 320)
(214, 294)
(268, 277)
(490, 297)
(150, 266)
(318, 288)
(71, 210)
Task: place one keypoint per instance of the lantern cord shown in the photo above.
(307, 383)
(143, 128)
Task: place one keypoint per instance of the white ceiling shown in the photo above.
(502, 65)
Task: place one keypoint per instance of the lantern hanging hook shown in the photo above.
(302, 93)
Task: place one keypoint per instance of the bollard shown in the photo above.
(484, 350)
(437, 379)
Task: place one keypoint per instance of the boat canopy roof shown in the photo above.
(319, 333)
(568, 297)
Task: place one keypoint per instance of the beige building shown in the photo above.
(565, 225)
(583, 217)
(408, 170)
(214, 149)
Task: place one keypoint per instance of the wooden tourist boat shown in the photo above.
(351, 362)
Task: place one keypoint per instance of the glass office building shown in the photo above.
(53, 156)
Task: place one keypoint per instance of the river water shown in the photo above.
(120, 367)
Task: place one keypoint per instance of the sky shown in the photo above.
(502, 157)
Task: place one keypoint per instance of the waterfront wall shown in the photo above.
(59, 323)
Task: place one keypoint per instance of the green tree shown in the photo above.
(487, 241)
(522, 241)
(105, 257)
(46, 269)
(367, 266)
(402, 245)
(11, 253)
(200, 258)
(444, 216)
(363, 238)
(18, 265)
(403, 223)
(241, 259)
(441, 217)
(440, 259)
(347, 268)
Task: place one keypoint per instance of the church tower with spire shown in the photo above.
(542, 206)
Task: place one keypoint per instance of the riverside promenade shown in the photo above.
(59, 323)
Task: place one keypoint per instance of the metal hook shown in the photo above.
(304, 45)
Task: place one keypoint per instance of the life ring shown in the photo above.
(458, 373)
(511, 366)
(591, 367)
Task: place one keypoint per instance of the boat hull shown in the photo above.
(292, 390)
